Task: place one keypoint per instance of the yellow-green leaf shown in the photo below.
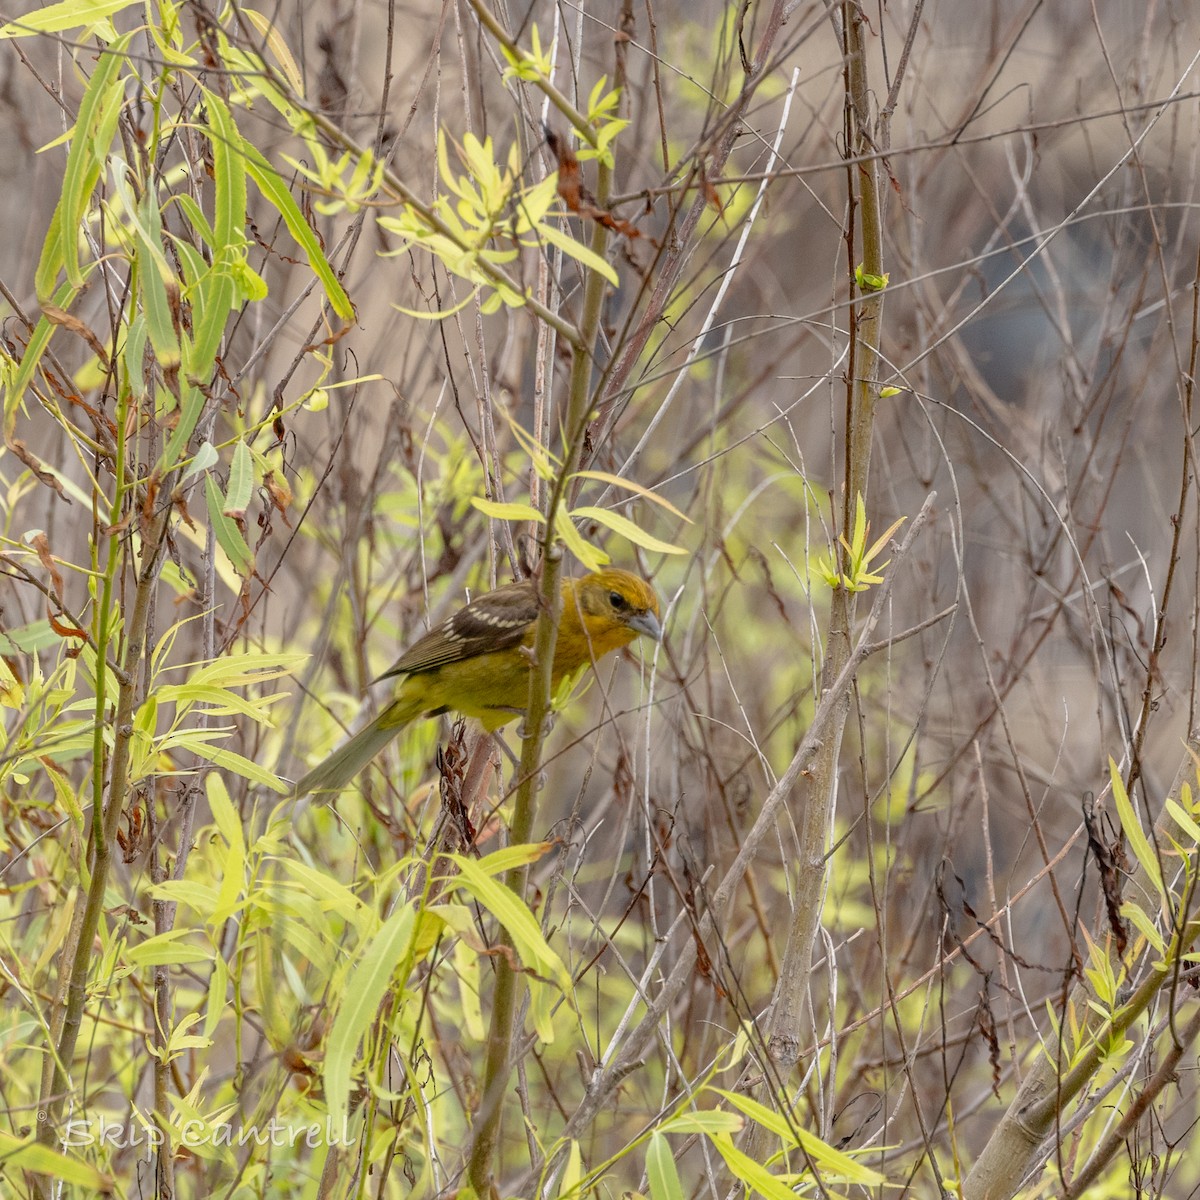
(69, 14)
(25, 1154)
(515, 917)
(824, 1155)
(628, 484)
(365, 986)
(509, 510)
(661, 1172)
(626, 528)
(1131, 826)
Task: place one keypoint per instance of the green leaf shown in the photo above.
(228, 535)
(225, 816)
(199, 897)
(206, 456)
(572, 1172)
(1140, 920)
(275, 191)
(278, 47)
(591, 556)
(824, 1155)
(159, 286)
(238, 670)
(20, 378)
(164, 949)
(229, 761)
(661, 1172)
(523, 855)
(754, 1175)
(626, 528)
(331, 895)
(507, 510)
(368, 980)
(69, 14)
(578, 251)
(512, 913)
(241, 481)
(191, 406)
(52, 257)
(1131, 826)
(628, 484)
(868, 281)
(710, 1121)
(99, 111)
(229, 176)
(1184, 820)
(24, 1154)
(217, 701)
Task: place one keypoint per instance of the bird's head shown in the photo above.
(616, 606)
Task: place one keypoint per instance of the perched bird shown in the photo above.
(477, 662)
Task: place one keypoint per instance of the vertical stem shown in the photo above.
(506, 1000)
(104, 827)
(790, 1027)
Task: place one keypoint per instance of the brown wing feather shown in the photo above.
(495, 621)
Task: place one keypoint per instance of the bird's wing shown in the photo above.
(495, 621)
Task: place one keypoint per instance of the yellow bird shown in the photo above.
(477, 662)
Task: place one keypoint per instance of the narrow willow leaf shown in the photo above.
(628, 484)
(68, 14)
(227, 760)
(53, 255)
(1140, 920)
(278, 47)
(824, 1155)
(229, 177)
(711, 1120)
(331, 896)
(23, 375)
(572, 1172)
(228, 535)
(1131, 826)
(1184, 820)
(626, 528)
(362, 993)
(237, 670)
(661, 1172)
(225, 816)
(165, 949)
(513, 914)
(241, 481)
(199, 897)
(156, 292)
(578, 251)
(206, 456)
(218, 702)
(591, 556)
(437, 316)
(523, 855)
(467, 974)
(507, 510)
(215, 1005)
(95, 127)
(19, 1154)
(275, 191)
(753, 1174)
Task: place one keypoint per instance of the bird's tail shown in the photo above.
(353, 754)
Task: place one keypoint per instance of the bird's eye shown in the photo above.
(617, 600)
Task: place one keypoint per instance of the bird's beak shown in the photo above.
(646, 623)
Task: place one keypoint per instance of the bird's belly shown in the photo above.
(491, 688)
